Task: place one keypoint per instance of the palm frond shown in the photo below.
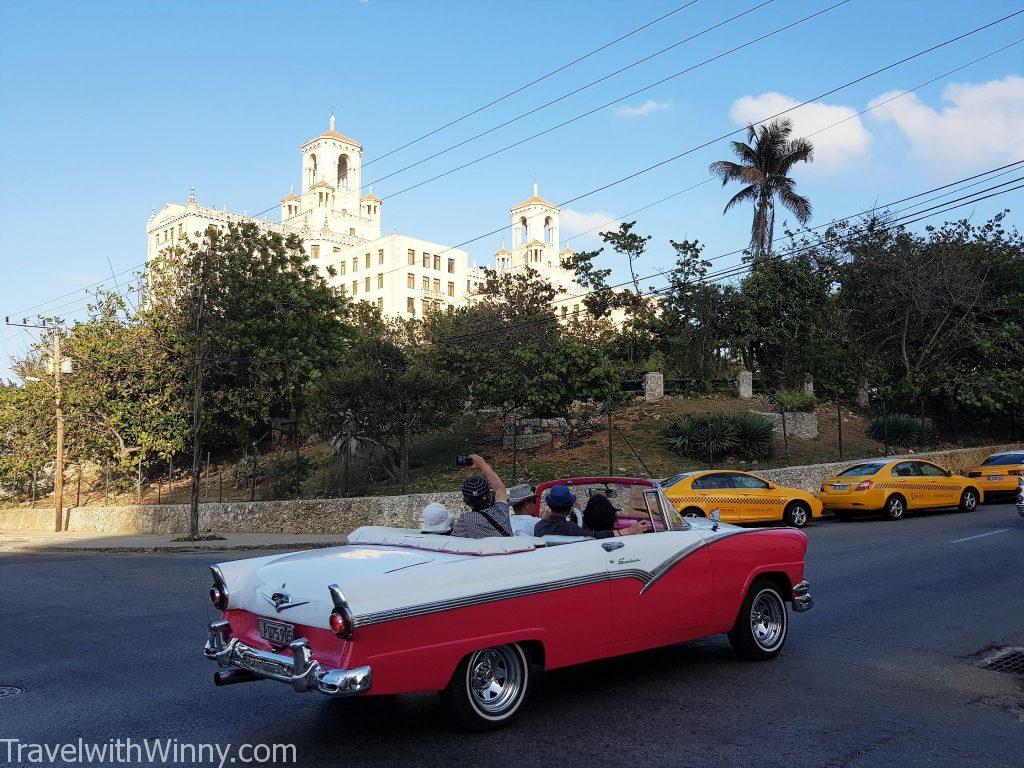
(748, 193)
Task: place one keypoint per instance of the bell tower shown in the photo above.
(535, 234)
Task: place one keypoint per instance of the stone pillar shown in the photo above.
(862, 394)
(654, 387)
(746, 384)
(809, 385)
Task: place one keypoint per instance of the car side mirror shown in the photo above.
(715, 516)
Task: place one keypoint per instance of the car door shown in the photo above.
(910, 483)
(942, 491)
(661, 586)
(757, 499)
(716, 491)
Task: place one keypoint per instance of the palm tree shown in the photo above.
(765, 160)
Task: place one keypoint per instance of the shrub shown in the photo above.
(753, 435)
(794, 400)
(655, 363)
(899, 428)
(712, 437)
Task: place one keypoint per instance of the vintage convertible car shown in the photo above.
(397, 611)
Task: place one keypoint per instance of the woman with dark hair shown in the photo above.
(599, 514)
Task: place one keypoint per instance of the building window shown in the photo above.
(411, 280)
(467, 286)
(412, 257)
(451, 266)
(380, 256)
(355, 265)
(367, 284)
(367, 261)
(426, 283)
(352, 231)
(410, 306)
(565, 310)
(343, 265)
(314, 251)
(437, 262)
(344, 289)
(380, 280)
(337, 249)
(451, 289)
(355, 287)
(426, 307)
(426, 261)
(575, 309)
(437, 285)
(380, 303)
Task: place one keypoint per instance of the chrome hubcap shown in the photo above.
(799, 516)
(495, 679)
(896, 508)
(969, 500)
(768, 620)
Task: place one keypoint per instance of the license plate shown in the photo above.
(995, 477)
(276, 632)
(838, 487)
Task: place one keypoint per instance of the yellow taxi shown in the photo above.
(998, 474)
(740, 497)
(896, 486)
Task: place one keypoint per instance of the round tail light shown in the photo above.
(219, 597)
(339, 624)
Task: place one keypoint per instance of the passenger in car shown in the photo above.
(560, 500)
(599, 514)
(523, 500)
(487, 499)
(437, 519)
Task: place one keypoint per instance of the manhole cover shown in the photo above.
(10, 690)
(1009, 661)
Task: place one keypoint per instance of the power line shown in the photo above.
(532, 82)
(629, 95)
(571, 93)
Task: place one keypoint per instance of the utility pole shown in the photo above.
(57, 363)
(197, 402)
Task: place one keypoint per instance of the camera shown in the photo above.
(463, 461)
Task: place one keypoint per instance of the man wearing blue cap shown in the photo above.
(487, 499)
(560, 500)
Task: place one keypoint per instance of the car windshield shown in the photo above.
(1001, 459)
(862, 469)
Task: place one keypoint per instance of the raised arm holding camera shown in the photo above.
(487, 499)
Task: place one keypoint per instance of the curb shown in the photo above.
(174, 548)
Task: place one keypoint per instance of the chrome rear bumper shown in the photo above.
(298, 670)
(802, 600)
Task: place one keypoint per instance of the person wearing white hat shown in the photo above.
(437, 518)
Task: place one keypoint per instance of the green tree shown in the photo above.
(765, 162)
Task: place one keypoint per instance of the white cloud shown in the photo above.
(834, 148)
(577, 222)
(982, 123)
(647, 108)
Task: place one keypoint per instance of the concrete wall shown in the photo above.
(344, 515)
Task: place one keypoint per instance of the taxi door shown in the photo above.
(757, 499)
(911, 484)
(943, 492)
(716, 491)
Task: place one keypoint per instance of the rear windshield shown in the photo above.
(1003, 458)
(670, 481)
(862, 469)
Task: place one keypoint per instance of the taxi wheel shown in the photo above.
(797, 514)
(693, 512)
(895, 507)
(969, 500)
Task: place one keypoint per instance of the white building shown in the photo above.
(341, 228)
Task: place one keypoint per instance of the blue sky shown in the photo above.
(110, 109)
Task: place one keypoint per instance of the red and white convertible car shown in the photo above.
(397, 611)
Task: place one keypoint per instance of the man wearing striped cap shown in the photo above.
(487, 499)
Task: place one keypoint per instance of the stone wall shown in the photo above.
(798, 424)
(344, 515)
(533, 433)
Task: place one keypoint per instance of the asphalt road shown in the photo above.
(880, 673)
